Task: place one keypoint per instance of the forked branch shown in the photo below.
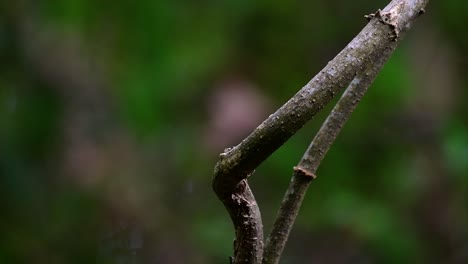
(377, 40)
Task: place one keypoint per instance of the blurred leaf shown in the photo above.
(456, 149)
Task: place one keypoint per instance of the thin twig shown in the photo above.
(305, 171)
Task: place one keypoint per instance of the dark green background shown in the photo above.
(113, 113)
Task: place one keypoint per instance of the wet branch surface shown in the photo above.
(356, 65)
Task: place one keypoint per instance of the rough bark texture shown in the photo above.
(374, 42)
(246, 217)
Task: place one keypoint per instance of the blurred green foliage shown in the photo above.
(393, 189)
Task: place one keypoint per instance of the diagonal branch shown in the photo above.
(305, 171)
(236, 164)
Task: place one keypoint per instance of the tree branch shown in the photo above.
(245, 214)
(305, 171)
(236, 164)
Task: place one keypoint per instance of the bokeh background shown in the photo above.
(113, 114)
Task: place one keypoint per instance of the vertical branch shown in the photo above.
(245, 214)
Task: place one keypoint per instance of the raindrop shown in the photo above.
(189, 186)
(12, 103)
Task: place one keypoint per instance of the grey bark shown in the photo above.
(379, 37)
(305, 171)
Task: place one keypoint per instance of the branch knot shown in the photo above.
(388, 18)
(304, 172)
